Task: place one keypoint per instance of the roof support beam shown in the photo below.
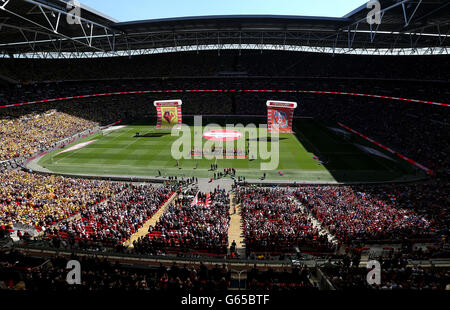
(4, 5)
(374, 33)
(401, 2)
(247, 46)
(51, 30)
(54, 28)
(52, 22)
(89, 38)
(87, 21)
(31, 44)
(350, 42)
(408, 20)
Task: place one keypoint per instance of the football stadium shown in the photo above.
(224, 153)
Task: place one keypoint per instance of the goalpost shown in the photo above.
(169, 113)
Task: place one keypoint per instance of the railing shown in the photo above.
(229, 91)
(324, 282)
(44, 250)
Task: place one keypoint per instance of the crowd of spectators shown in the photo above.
(211, 63)
(39, 201)
(112, 222)
(190, 224)
(414, 130)
(359, 214)
(352, 214)
(428, 200)
(396, 274)
(387, 121)
(274, 222)
(298, 278)
(29, 134)
(30, 92)
(19, 272)
(22, 272)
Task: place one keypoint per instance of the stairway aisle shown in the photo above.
(316, 224)
(235, 231)
(151, 222)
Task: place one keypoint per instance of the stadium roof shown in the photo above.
(53, 29)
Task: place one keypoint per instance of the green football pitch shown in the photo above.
(316, 152)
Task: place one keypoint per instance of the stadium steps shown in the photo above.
(238, 282)
(331, 238)
(235, 231)
(314, 281)
(143, 231)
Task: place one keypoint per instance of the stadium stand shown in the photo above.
(197, 224)
(40, 201)
(360, 113)
(303, 236)
(274, 223)
(31, 134)
(397, 276)
(113, 222)
(352, 215)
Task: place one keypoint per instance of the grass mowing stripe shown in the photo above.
(122, 153)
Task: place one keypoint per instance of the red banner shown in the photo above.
(280, 115)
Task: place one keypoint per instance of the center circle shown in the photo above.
(222, 135)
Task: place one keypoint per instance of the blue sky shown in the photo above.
(150, 9)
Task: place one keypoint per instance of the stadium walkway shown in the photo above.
(205, 186)
(235, 229)
(151, 222)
